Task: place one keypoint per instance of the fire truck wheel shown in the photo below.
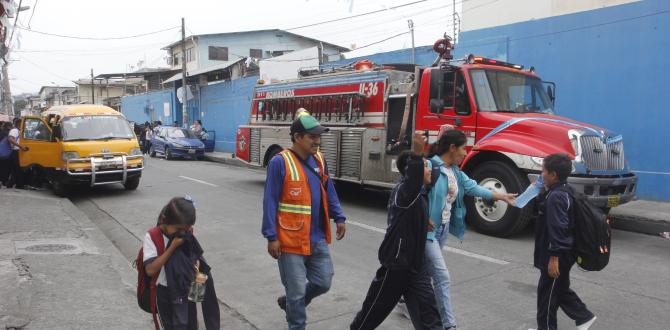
(498, 218)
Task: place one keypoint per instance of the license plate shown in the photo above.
(613, 200)
(192, 151)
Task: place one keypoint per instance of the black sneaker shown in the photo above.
(281, 301)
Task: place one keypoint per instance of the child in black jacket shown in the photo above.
(401, 251)
(554, 242)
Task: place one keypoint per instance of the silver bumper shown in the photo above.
(118, 163)
(603, 192)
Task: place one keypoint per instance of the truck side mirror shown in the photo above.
(551, 91)
(436, 105)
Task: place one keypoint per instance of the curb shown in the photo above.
(639, 224)
(105, 244)
(226, 160)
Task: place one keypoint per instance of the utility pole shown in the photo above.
(92, 88)
(411, 31)
(6, 93)
(453, 17)
(184, 115)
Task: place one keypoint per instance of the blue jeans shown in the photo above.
(437, 268)
(304, 278)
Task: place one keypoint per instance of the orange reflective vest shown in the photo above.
(294, 216)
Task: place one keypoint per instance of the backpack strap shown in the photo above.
(434, 176)
(157, 238)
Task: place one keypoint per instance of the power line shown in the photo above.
(18, 10)
(354, 16)
(380, 41)
(33, 13)
(44, 69)
(94, 38)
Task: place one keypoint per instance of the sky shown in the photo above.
(43, 60)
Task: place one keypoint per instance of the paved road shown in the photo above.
(493, 280)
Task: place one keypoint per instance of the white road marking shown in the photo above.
(198, 181)
(446, 248)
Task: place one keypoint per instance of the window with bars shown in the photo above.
(218, 53)
(256, 53)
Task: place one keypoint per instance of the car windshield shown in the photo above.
(96, 128)
(180, 133)
(502, 91)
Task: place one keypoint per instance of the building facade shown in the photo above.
(210, 50)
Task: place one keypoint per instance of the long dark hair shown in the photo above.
(449, 138)
(178, 211)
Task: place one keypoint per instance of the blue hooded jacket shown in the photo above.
(437, 195)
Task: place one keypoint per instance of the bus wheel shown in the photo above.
(132, 184)
(59, 188)
(498, 218)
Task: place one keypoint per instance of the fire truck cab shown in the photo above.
(506, 112)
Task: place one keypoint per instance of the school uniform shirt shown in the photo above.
(15, 133)
(150, 253)
(452, 193)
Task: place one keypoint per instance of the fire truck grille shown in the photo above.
(599, 155)
(255, 146)
(350, 157)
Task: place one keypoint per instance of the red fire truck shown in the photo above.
(505, 111)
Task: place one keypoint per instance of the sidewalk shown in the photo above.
(642, 216)
(59, 271)
(224, 158)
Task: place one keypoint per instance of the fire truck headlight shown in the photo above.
(574, 141)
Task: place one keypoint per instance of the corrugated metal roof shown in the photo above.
(222, 66)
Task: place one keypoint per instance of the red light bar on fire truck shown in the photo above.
(472, 59)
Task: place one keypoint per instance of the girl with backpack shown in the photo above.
(171, 258)
(447, 212)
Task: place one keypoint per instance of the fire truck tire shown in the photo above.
(498, 218)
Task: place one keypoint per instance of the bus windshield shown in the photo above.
(96, 128)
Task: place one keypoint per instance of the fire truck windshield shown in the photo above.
(503, 91)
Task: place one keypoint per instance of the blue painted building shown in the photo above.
(609, 63)
(224, 107)
(161, 105)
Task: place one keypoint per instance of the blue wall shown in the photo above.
(225, 106)
(611, 68)
(424, 56)
(149, 106)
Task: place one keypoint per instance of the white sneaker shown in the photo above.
(586, 325)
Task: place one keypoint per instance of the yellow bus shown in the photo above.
(82, 145)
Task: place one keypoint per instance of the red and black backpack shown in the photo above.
(146, 285)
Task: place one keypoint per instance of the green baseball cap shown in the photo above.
(307, 124)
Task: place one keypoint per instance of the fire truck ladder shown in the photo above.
(346, 108)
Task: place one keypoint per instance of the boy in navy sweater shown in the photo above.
(554, 242)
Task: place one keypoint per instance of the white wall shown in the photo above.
(287, 66)
(240, 44)
(479, 14)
